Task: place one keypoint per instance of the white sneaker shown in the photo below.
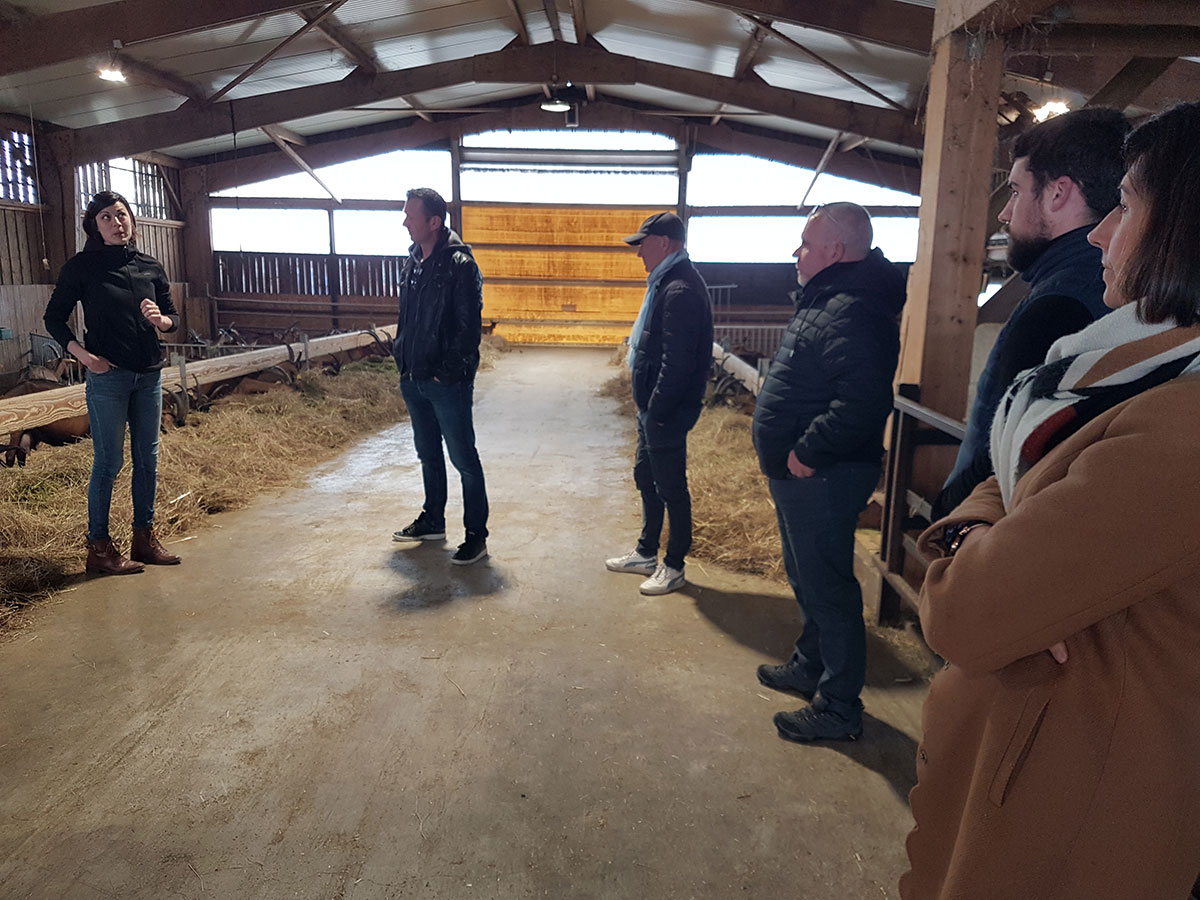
(632, 562)
(663, 581)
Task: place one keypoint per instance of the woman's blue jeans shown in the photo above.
(114, 398)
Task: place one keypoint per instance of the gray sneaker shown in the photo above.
(632, 562)
(807, 725)
(663, 581)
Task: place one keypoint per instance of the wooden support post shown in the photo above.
(333, 275)
(456, 203)
(938, 327)
(59, 191)
(197, 249)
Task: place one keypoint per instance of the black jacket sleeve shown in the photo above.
(67, 292)
(681, 325)
(859, 360)
(461, 356)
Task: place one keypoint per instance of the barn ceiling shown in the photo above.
(207, 77)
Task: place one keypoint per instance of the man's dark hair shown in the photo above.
(431, 201)
(1085, 146)
(1163, 273)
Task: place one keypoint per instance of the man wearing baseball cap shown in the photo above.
(670, 356)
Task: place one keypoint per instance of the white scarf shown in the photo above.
(652, 280)
(1085, 374)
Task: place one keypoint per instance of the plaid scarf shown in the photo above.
(1084, 375)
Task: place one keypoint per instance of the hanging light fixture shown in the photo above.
(555, 103)
(112, 72)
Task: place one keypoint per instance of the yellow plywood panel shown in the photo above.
(563, 334)
(601, 226)
(534, 301)
(550, 263)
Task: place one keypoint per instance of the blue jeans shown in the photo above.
(817, 517)
(660, 473)
(114, 398)
(440, 411)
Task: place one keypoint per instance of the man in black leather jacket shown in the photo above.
(670, 356)
(818, 431)
(437, 353)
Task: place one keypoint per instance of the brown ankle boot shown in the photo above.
(105, 559)
(147, 549)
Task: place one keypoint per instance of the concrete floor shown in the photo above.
(305, 709)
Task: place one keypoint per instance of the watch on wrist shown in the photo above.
(955, 533)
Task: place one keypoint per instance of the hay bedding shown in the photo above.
(222, 458)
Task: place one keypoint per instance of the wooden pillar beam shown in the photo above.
(197, 235)
(58, 190)
(938, 326)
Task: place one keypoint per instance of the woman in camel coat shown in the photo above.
(1061, 750)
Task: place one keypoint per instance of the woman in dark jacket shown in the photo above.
(126, 303)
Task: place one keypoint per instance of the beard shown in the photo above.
(1024, 252)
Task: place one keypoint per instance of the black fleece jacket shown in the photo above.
(829, 390)
(111, 283)
(441, 301)
(673, 358)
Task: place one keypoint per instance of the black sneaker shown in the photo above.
(420, 530)
(806, 725)
(785, 678)
(473, 549)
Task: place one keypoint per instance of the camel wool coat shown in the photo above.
(1079, 781)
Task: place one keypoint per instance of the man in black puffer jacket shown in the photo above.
(437, 353)
(818, 431)
(670, 356)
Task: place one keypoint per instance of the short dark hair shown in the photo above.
(97, 205)
(1163, 273)
(431, 201)
(1085, 146)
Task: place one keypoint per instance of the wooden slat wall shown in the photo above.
(164, 241)
(21, 309)
(557, 274)
(21, 246)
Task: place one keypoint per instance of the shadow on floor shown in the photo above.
(433, 581)
(885, 750)
(771, 624)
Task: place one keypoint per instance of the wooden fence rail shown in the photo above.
(31, 410)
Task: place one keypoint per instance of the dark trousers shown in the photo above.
(817, 517)
(440, 412)
(660, 473)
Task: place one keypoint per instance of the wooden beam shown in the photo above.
(579, 15)
(62, 36)
(285, 134)
(902, 25)
(938, 325)
(329, 29)
(299, 161)
(194, 187)
(882, 169)
(551, 9)
(1087, 75)
(985, 17)
(1127, 85)
(1001, 304)
(1178, 13)
(170, 188)
(308, 25)
(1102, 40)
(750, 50)
(159, 77)
(837, 70)
(325, 203)
(518, 21)
(512, 65)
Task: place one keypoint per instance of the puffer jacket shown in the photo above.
(111, 282)
(828, 392)
(441, 302)
(673, 358)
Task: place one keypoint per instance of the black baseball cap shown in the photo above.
(665, 223)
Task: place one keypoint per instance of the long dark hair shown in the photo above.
(98, 204)
(1163, 156)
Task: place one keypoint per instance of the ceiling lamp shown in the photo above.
(111, 73)
(555, 104)
(1050, 110)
